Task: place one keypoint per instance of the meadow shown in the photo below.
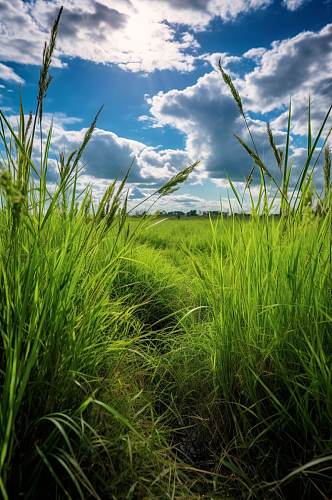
(148, 358)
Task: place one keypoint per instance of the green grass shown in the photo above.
(174, 359)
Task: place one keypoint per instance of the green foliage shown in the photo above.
(63, 330)
(142, 358)
(251, 373)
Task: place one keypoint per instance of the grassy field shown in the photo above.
(177, 359)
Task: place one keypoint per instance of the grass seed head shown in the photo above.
(327, 170)
(228, 80)
(276, 151)
(44, 77)
(174, 183)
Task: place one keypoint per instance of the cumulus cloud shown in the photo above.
(276, 78)
(198, 13)
(229, 9)
(132, 36)
(224, 58)
(22, 36)
(136, 35)
(277, 75)
(256, 53)
(205, 112)
(208, 117)
(144, 35)
(109, 156)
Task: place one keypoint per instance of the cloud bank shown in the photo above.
(146, 35)
(136, 35)
(207, 116)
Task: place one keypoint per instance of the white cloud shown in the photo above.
(177, 202)
(294, 4)
(205, 112)
(22, 36)
(109, 156)
(198, 13)
(256, 54)
(292, 69)
(207, 116)
(136, 35)
(301, 64)
(229, 9)
(224, 58)
(8, 74)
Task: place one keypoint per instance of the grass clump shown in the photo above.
(61, 327)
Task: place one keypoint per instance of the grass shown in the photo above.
(182, 359)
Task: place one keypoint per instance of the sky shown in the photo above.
(153, 65)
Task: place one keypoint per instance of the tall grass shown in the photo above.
(186, 359)
(61, 324)
(250, 374)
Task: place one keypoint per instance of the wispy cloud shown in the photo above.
(8, 74)
(294, 4)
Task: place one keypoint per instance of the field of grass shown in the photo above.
(142, 358)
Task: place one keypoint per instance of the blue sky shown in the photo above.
(152, 64)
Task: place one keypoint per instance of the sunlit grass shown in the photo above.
(170, 360)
